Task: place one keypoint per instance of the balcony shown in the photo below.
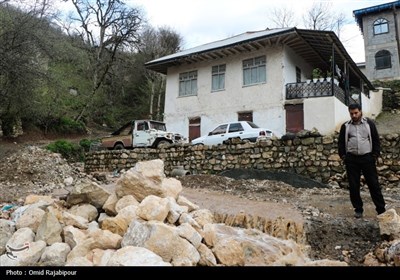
(317, 89)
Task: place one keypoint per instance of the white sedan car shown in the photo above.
(225, 133)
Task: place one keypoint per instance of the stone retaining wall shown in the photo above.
(313, 157)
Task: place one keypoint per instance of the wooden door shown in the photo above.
(294, 118)
(194, 128)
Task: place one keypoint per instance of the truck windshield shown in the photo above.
(158, 126)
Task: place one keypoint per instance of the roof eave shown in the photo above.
(162, 66)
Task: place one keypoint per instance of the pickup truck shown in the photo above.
(141, 133)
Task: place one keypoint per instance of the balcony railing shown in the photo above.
(317, 89)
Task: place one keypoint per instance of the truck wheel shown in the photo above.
(162, 143)
(119, 146)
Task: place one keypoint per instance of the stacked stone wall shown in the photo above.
(313, 157)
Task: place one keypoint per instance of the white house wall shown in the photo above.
(291, 60)
(372, 106)
(327, 114)
(341, 114)
(264, 100)
(320, 113)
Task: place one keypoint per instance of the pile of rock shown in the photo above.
(34, 170)
(140, 220)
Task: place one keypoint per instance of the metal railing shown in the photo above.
(317, 89)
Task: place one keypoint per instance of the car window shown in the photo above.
(235, 127)
(142, 126)
(219, 130)
(158, 126)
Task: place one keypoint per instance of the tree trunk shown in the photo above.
(151, 100)
(159, 117)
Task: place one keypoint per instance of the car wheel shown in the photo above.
(119, 146)
(162, 143)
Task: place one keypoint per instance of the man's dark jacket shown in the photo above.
(374, 136)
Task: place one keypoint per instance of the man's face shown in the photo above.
(355, 115)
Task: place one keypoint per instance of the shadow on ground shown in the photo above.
(292, 179)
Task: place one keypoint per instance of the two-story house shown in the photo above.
(264, 77)
(380, 26)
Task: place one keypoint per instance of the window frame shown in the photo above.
(254, 70)
(218, 77)
(378, 24)
(188, 83)
(383, 60)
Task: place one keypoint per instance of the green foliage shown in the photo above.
(394, 85)
(47, 76)
(86, 144)
(8, 123)
(389, 99)
(316, 73)
(21, 69)
(69, 150)
(68, 125)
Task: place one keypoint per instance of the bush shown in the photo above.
(68, 126)
(86, 144)
(69, 150)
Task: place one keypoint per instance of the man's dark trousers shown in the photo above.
(365, 164)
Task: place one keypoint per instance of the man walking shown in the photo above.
(359, 147)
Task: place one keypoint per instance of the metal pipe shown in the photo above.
(177, 172)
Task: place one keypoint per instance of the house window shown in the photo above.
(383, 59)
(381, 26)
(245, 116)
(254, 70)
(298, 75)
(188, 83)
(218, 77)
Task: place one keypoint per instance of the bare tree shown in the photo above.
(105, 27)
(155, 44)
(321, 17)
(283, 17)
(339, 21)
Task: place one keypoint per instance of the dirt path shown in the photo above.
(232, 204)
(327, 216)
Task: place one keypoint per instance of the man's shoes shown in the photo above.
(358, 215)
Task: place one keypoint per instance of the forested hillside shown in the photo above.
(61, 74)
